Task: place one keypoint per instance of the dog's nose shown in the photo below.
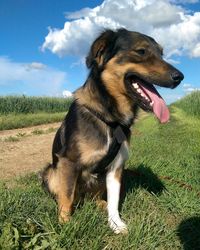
(177, 77)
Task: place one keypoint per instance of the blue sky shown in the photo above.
(44, 42)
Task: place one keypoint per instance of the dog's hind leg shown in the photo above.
(61, 182)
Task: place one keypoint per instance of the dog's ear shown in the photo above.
(102, 49)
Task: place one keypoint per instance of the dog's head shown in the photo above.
(130, 64)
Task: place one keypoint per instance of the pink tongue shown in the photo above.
(159, 107)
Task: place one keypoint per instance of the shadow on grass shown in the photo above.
(189, 233)
(143, 177)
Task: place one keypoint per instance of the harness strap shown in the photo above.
(112, 125)
(120, 134)
(102, 165)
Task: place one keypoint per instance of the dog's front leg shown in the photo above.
(113, 184)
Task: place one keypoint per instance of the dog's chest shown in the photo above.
(118, 162)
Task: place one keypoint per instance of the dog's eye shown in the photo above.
(141, 52)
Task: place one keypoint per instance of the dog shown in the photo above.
(91, 146)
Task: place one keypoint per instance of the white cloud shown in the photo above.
(172, 61)
(35, 65)
(80, 62)
(168, 23)
(35, 77)
(188, 90)
(172, 97)
(187, 87)
(184, 1)
(67, 93)
(196, 50)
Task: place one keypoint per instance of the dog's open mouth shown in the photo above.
(149, 99)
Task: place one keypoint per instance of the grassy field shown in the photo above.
(28, 104)
(161, 206)
(13, 121)
(22, 111)
(190, 104)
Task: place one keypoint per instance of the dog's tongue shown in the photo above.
(159, 107)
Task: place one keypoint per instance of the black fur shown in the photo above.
(107, 101)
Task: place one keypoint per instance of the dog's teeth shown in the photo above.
(139, 91)
(135, 85)
(152, 103)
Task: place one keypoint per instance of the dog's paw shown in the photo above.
(64, 217)
(118, 226)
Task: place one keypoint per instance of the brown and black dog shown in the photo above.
(91, 146)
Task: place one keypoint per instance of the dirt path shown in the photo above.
(25, 150)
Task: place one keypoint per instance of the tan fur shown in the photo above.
(57, 183)
(115, 72)
(118, 174)
(91, 152)
(102, 204)
(113, 78)
(85, 96)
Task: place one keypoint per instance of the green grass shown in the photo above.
(12, 121)
(23, 111)
(160, 213)
(190, 104)
(27, 105)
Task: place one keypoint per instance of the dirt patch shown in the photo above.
(29, 151)
(14, 132)
(29, 154)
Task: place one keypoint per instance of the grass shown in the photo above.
(20, 135)
(23, 111)
(26, 105)
(161, 214)
(190, 104)
(12, 139)
(13, 121)
(15, 138)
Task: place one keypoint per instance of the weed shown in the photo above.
(12, 139)
(38, 132)
(50, 130)
(21, 134)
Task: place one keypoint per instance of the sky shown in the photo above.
(43, 43)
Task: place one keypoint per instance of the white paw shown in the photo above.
(118, 226)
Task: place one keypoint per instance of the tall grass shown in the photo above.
(13, 121)
(190, 104)
(25, 105)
